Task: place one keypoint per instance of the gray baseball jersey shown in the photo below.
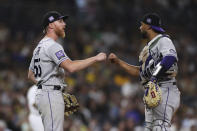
(151, 55)
(45, 62)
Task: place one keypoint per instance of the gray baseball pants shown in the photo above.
(51, 107)
(159, 118)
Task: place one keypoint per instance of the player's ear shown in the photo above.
(148, 27)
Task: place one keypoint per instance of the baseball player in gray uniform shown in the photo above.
(47, 67)
(158, 62)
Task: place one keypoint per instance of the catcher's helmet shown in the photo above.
(154, 21)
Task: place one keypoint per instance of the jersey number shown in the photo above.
(37, 68)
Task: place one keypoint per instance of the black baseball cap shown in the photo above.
(52, 16)
(154, 21)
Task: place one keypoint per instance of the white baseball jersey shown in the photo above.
(31, 94)
(45, 62)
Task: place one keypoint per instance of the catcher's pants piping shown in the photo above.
(50, 110)
(165, 107)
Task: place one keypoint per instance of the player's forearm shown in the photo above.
(82, 64)
(131, 69)
(76, 65)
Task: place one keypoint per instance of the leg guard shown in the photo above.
(148, 126)
(160, 125)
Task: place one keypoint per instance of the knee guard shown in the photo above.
(160, 125)
(148, 126)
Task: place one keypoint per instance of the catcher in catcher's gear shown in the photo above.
(157, 71)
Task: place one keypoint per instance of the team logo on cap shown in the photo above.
(149, 20)
(51, 18)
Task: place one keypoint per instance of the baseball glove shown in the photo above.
(71, 104)
(152, 96)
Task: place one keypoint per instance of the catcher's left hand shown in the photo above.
(71, 104)
(152, 96)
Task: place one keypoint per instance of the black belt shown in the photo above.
(173, 83)
(56, 87)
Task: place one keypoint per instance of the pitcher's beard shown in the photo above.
(61, 34)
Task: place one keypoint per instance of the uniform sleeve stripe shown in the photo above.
(62, 60)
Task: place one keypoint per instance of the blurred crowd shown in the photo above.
(110, 99)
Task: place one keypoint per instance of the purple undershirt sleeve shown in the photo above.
(168, 61)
